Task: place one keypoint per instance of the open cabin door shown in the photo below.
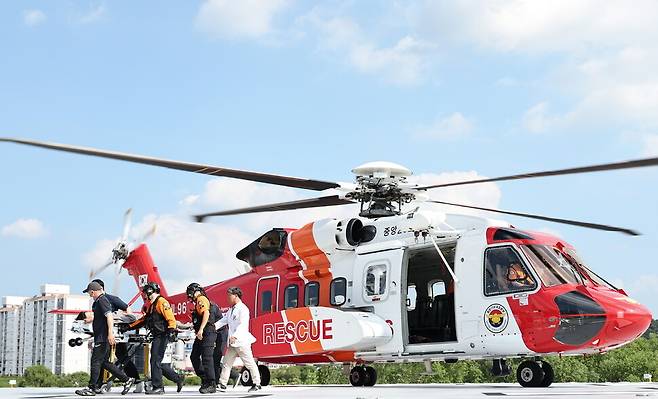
(377, 288)
(430, 296)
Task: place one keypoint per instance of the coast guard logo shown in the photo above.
(143, 279)
(496, 318)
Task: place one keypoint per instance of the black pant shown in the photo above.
(125, 360)
(202, 358)
(100, 359)
(220, 348)
(158, 347)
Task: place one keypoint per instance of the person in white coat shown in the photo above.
(239, 340)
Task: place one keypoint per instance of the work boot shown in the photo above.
(180, 383)
(127, 385)
(85, 392)
(222, 388)
(255, 388)
(208, 389)
(156, 391)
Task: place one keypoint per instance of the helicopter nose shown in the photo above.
(628, 321)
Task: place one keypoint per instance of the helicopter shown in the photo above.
(393, 284)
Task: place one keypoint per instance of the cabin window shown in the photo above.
(291, 296)
(338, 291)
(376, 280)
(436, 288)
(312, 294)
(266, 302)
(411, 297)
(505, 272)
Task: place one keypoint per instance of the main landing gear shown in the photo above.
(363, 376)
(246, 380)
(535, 373)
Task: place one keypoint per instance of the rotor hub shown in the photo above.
(381, 189)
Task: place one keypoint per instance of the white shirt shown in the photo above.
(237, 319)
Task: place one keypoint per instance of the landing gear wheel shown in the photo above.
(245, 377)
(371, 380)
(79, 341)
(549, 375)
(264, 375)
(358, 376)
(530, 374)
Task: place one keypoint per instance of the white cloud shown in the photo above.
(25, 228)
(402, 63)
(536, 27)
(650, 145)
(186, 251)
(247, 19)
(93, 15)
(451, 127)
(33, 18)
(537, 119)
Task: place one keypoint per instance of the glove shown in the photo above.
(172, 335)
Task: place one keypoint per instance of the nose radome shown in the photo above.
(630, 321)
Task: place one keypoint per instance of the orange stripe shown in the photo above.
(316, 264)
(308, 346)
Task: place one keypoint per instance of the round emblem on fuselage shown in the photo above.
(496, 318)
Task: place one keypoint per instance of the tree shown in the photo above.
(38, 376)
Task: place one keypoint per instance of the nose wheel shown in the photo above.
(534, 374)
(363, 376)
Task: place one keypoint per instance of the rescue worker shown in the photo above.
(239, 339)
(121, 349)
(204, 316)
(160, 321)
(103, 326)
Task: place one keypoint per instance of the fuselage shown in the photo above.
(332, 291)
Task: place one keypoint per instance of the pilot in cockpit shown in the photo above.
(517, 277)
(270, 242)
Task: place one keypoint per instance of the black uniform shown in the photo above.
(101, 353)
(202, 350)
(159, 320)
(121, 350)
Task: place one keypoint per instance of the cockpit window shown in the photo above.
(585, 271)
(551, 266)
(505, 272)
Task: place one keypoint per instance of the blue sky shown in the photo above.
(314, 89)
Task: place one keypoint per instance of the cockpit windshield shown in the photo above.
(552, 267)
(585, 271)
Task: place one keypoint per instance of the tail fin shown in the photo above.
(140, 265)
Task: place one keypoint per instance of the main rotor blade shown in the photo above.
(127, 220)
(638, 163)
(279, 180)
(549, 219)
(281, 206)
(96, 271)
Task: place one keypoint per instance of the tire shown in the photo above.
(264, 375)
(372, 376)
(358, 376)
(79, 341)
(245, 377)
(529, 374)
(72, 343)
(549, 375)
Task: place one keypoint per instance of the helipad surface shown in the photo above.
(416, 391)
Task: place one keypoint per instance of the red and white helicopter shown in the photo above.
(409, 285)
